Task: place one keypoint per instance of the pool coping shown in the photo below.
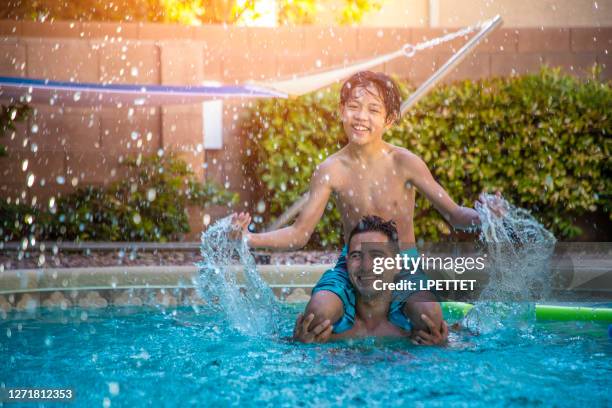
(125, 277)
(166, 286)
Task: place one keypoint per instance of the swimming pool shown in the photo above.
(146, 356)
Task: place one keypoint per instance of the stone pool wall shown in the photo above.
(27, 290)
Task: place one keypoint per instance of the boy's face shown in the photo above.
(364, 115)
(363, 249)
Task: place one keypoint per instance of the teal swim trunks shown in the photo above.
(337, 280)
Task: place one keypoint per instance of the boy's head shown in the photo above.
(369, 105)
(371, 238)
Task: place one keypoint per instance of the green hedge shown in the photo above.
(543, 140)
(148, 205)
(10, 115)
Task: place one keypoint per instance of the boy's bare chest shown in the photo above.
(379, 192)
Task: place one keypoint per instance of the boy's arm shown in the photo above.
(298, 234)
(420, 176)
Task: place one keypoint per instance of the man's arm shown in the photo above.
(425, 314)
(298, 234)
(420, 176)
(321, 333)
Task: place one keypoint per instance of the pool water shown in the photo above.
(142, 357)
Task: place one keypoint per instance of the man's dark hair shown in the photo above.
(386, 86)
(371, 223)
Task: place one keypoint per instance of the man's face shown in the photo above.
(363, 249)
(364, 115)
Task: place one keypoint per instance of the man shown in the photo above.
(370, 239)
(367, 176)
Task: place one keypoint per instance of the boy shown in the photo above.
(367, 176)
(371, 238)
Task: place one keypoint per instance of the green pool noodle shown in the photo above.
(543, 312)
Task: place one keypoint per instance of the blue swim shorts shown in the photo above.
(337, 280)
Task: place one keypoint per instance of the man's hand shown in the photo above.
(496, 204)
(319, 334)
(435, 335)
(240, 225)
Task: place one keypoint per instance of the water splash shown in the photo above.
(519, 250)
(250, 306)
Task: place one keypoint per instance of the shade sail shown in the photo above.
(13, 89)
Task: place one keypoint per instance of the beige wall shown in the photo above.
(528, 13)
(516, 13)
(83, 145)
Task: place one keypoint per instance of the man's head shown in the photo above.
(369, 105)
(371, 238)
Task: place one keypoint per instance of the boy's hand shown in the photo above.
(319, 334)
(496, 204)
(240, 226)
(434, 336)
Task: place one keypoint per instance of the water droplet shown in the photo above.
(318, 63)
(137, 219)
(549, 181)
(31, 179)
(76, 96)
(41, 259)
(261, 206)
(29, 219)
(60, 180)
(151, 194)
(74, 181)
(134, 71)
(13, 114)
(113, 388)
(134, 135)
(139, 101)
(52, 202)
(35, 128)
(206, 219)
(34, 148)
(24, 165)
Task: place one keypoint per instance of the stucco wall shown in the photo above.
(84, 145)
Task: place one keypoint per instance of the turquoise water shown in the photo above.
(143, 357)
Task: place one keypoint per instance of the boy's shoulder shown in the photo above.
(404, 156)
(332, 161)
(329, 167)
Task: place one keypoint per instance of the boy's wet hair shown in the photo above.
(388, 89)
(373, 223)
